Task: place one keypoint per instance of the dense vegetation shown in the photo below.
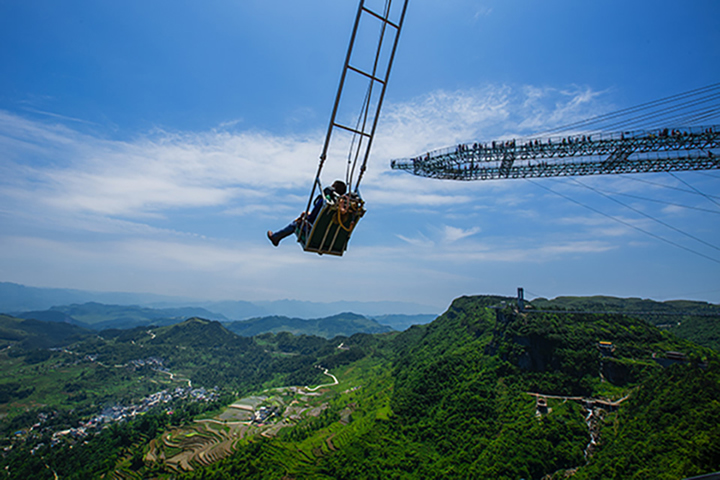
(118, 443)
(33, 334)
(55, 389)
(698, 322)
(459, 407)
(457, 398)
(668, 429)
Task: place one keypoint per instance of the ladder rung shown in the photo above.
(381, 18)
(366, 74)
(351, 130)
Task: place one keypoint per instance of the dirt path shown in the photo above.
(330, 442)
(220, 422)
(596, 401)
(172, 376)
(325, 371)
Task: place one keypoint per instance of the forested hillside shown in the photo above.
(34, 334)
(692, 320)
(484, 391)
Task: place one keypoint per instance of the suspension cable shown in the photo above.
(645, 214)
(664, 202)
(538, 184)
(694, 189)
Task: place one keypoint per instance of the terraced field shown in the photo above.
(209, 440)
(203, 443)
(302, 424)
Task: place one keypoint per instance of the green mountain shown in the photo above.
(196, 332)
(102, 317)
(34, 334)
(600, 302)
(463, 402)
(345, 324)
(692, 320)
(51, 316)
(484, 391)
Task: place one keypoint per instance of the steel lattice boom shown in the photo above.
(663, 150)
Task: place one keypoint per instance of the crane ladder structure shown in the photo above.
(363, 83)
(642, 151)
(375, 75)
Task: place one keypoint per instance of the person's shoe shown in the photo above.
(272, 239)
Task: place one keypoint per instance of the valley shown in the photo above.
(484, 391)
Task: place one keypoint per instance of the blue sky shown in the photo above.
(148, 146)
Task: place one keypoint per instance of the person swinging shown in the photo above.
(336, 190)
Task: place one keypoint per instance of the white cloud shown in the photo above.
(544, 108)
(77, 172)
(453, 234)
(419, 241)
(241, 172)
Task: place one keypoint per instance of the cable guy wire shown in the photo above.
(624, 222)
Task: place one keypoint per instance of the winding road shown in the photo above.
(326, 372)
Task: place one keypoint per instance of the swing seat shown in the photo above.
(332, 228)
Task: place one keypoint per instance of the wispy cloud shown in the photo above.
(154, 173)
(60, 117)
(418, 241)
(453, 234)
(151, 174)
(544, 108)
(483, 11)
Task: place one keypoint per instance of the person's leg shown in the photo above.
(280, 234)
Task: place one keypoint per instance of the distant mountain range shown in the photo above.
(15, 298)
(696, 321)
(97, 316)
(403, 322)
(329, 327)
